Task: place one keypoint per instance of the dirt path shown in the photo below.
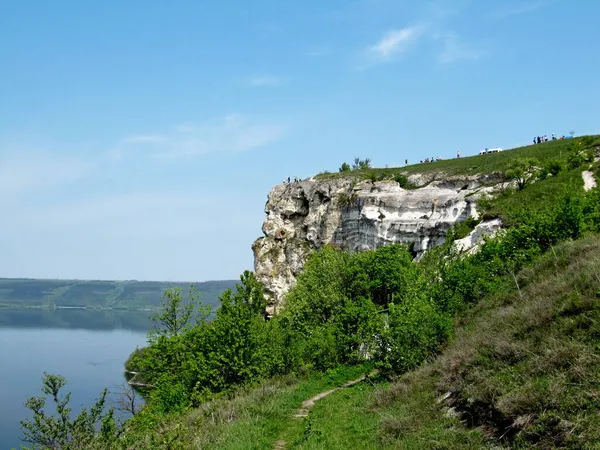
(303, 411)
(589, 182)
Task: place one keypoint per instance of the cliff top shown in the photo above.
(472, 165)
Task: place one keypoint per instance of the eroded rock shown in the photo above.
(358, 216)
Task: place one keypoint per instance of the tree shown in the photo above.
(361, 164)
(128, 399)
(60, 431)
(345, 167)
(175, 315)
(523, 171)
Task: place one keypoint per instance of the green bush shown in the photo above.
(345, 167)
(402, 180)
(168, 397)
(416, 329)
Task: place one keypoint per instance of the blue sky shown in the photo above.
(139, 139)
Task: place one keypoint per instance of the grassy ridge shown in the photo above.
(471, 165)
(522, 372)
(99, 294)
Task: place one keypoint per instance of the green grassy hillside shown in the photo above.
(481, 164)
(99, 294)
(523, 371)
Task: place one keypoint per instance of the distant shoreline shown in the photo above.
(87, 308)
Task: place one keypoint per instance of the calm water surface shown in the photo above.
(87, 349)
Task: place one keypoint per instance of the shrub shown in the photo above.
(345, 167)
(523, 171)
(402, 180)
(415, 331)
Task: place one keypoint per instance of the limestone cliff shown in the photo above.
(359, 215)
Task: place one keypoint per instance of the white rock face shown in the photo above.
(470, 243)
(358, 216)
(589, 182)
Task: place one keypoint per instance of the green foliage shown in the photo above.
(168, 397)
(523, 171)
(360, 164)
(174, 315)
(552, 167)
(235, 348)
(345, 167)
(402, 180)
(416, 329)
(526, 364)
(384, 276)
(93, 427)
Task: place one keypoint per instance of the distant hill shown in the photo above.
(100, 294)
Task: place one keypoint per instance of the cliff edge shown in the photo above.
(358, 215)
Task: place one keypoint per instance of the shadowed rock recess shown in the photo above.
(361, 215)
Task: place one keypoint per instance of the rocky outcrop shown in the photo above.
(355, 216)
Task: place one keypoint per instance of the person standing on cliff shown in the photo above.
(458, 154)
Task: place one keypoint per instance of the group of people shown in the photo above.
(432, 159)
(291, 180)
(544, 138)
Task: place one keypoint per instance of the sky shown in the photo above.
(139, 139)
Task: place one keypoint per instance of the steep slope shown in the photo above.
(522, 372)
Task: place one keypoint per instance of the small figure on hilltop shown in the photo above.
(458, 154)
(406, 162)
(534, 141)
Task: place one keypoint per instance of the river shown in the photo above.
(86, 347)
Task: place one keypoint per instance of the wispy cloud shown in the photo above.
(453, 49)
(518, 7)
(395, 42)
(232, 134)
(262, 81)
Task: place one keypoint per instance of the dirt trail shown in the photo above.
(303, 411)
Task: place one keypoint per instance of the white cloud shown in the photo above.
(262, 81)
(232, 134)
(395, 42)
(455, 50)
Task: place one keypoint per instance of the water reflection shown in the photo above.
(85, 346)
(82, 319)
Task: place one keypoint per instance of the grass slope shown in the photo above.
(480, 164)
(523, 371)
(250, 419)
(99, 294)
